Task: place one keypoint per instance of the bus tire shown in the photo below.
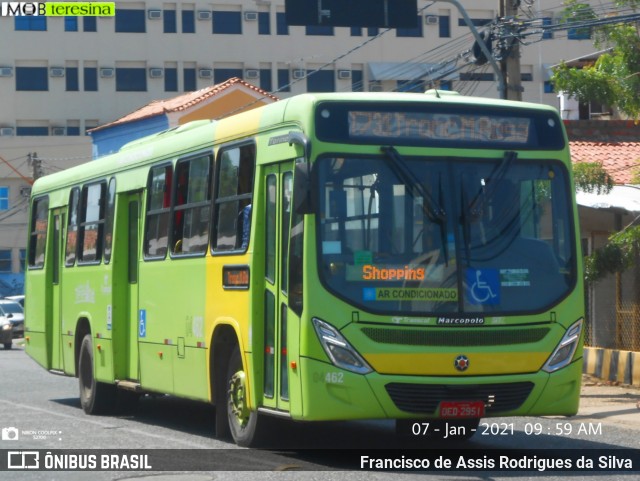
(243, 423)
(7, 345)
(95, 397)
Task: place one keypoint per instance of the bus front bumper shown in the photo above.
(331, 393)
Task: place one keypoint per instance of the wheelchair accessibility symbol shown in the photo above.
(142, 323)
(483, 286)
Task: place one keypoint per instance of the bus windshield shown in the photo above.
(501, 244)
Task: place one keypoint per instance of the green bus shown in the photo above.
(412, 257)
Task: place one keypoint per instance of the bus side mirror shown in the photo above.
(302, 178)
(303, 189)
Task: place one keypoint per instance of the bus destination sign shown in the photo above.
(442, 126)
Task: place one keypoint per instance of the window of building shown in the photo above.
(373, 31)
(446, 85)
(583, 33)
(264, 23)
(73, 130)
(38, 232)
(222, 74)
(4, 198)
(227, 22)
(188, 21)
(169, 21)
(33, 131)
(191, 206)
(546, 33)
(478, 22)
(92, 221)
(356, 31)
(322, 30)
(90, 79)
(71, 248)
(23, 259)
(70, 24)
(357, 81)
(282, 27)
(548, 87)
(130, 20)
(189, 79)
(32, 79)
(444, 26)
(234, 192)
(265, 79)
(38, 23)
(411, 32)
(170, 79)
(90, 24)
(130, 79)
(283, 80)
(5, 260)
(322, 81)
(72, 83)
(158, 209)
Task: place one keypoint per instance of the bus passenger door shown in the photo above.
(57, 359)
(126, 301)
(276, 215)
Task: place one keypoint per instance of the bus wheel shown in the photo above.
(243, 422)
(7, 345)
(95, 397)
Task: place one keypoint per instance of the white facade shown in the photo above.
(72, 74)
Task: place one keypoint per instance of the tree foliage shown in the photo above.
(618, 255)
(591, 177)
(614, 79)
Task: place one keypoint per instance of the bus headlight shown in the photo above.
(563, 353)
(341, 353)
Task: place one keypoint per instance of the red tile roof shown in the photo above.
(183, 102)
(619, 159)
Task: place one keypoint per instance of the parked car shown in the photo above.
(19, 299)
(11, 322)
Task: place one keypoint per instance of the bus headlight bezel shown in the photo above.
(563, 353)
(338, 350)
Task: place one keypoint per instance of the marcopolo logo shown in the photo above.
(57, 9)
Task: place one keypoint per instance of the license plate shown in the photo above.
(461, 409)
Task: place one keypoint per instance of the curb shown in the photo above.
(612, 365)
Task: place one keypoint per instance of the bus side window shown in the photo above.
(109, 219)
(71, 248)
(234, 191)
(38, 232)
(190, 231)
(91, 230)
(158, 206)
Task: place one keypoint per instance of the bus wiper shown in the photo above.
(433, 210)
(431, 207)
(477, 204)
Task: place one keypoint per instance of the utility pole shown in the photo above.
(36, 165)
(510, 63)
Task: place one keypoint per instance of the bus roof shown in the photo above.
(202, 134)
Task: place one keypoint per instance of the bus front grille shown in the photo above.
(425, 398)
(468, 337)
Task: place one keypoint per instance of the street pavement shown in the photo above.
(609, 402)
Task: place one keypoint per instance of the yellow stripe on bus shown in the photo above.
(432, 364)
